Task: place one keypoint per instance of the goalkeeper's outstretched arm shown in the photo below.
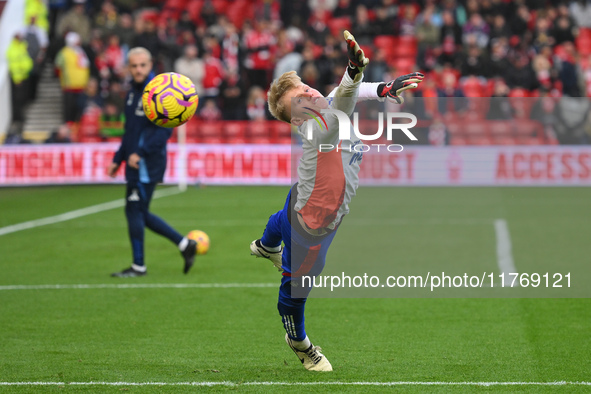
(293, 102)
(391, 90)
(349, 86)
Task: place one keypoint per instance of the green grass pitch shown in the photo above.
(234, 334)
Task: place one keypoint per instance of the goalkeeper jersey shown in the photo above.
(328, 178)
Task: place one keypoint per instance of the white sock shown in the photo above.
(183, 244)
(140, 268)
(272, 248)
(302, 345)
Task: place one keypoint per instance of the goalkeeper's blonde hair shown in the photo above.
(279, 88)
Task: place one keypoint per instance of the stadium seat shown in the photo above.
(480, 140)
(175, 4)
(211, 132)
(322, 16)
(488, 88)
(238, 12)
(458, 141)
(407, 47)
(473, 91)
(385, 42)
(519, 92)
(90, 123)
(477, 128)
(439, 77)
(280, 133)
(521, 100)
(584, 32)
(260, 140)
(454, 128)
(259, 132)
(475, 108)
(194, 9)
(191, 133)
(192, 140)
(172, 9)
(560, 51)
(402, 65)
(317, 51)
(500, 128)
(530, 141)
(388, 45)
(192, 130)
(88, 139)
(583, 41)
(165, 15)
(219, 5)
(527, 128)
(551, 140)
(472, 87)
(150, 15)
(584, 46)
(235, 132)
(337, 25)
(211, 140)
(504, 140)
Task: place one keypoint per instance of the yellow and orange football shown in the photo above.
(170, 99)
(202, 240)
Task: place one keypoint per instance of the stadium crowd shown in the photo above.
(233, 49)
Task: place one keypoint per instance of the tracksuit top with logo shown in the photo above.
(328, 179)
(144, 138)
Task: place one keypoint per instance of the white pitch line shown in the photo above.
(79, 213)
(235, 384)
(504, 251)
(406, 221)
(141, 286)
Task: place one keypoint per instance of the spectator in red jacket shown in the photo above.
(213, 77)
(259, 44)
(114, 56)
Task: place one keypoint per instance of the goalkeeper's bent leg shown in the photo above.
(278, 227)
(272, 234)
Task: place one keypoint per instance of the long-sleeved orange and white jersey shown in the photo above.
(328, 178)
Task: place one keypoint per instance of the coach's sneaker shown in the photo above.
(130, 272)
(311, 358)
(257, 249)
(189, 255)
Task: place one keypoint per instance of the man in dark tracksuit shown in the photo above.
(143, 148)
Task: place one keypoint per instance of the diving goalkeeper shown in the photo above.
(328, 180)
